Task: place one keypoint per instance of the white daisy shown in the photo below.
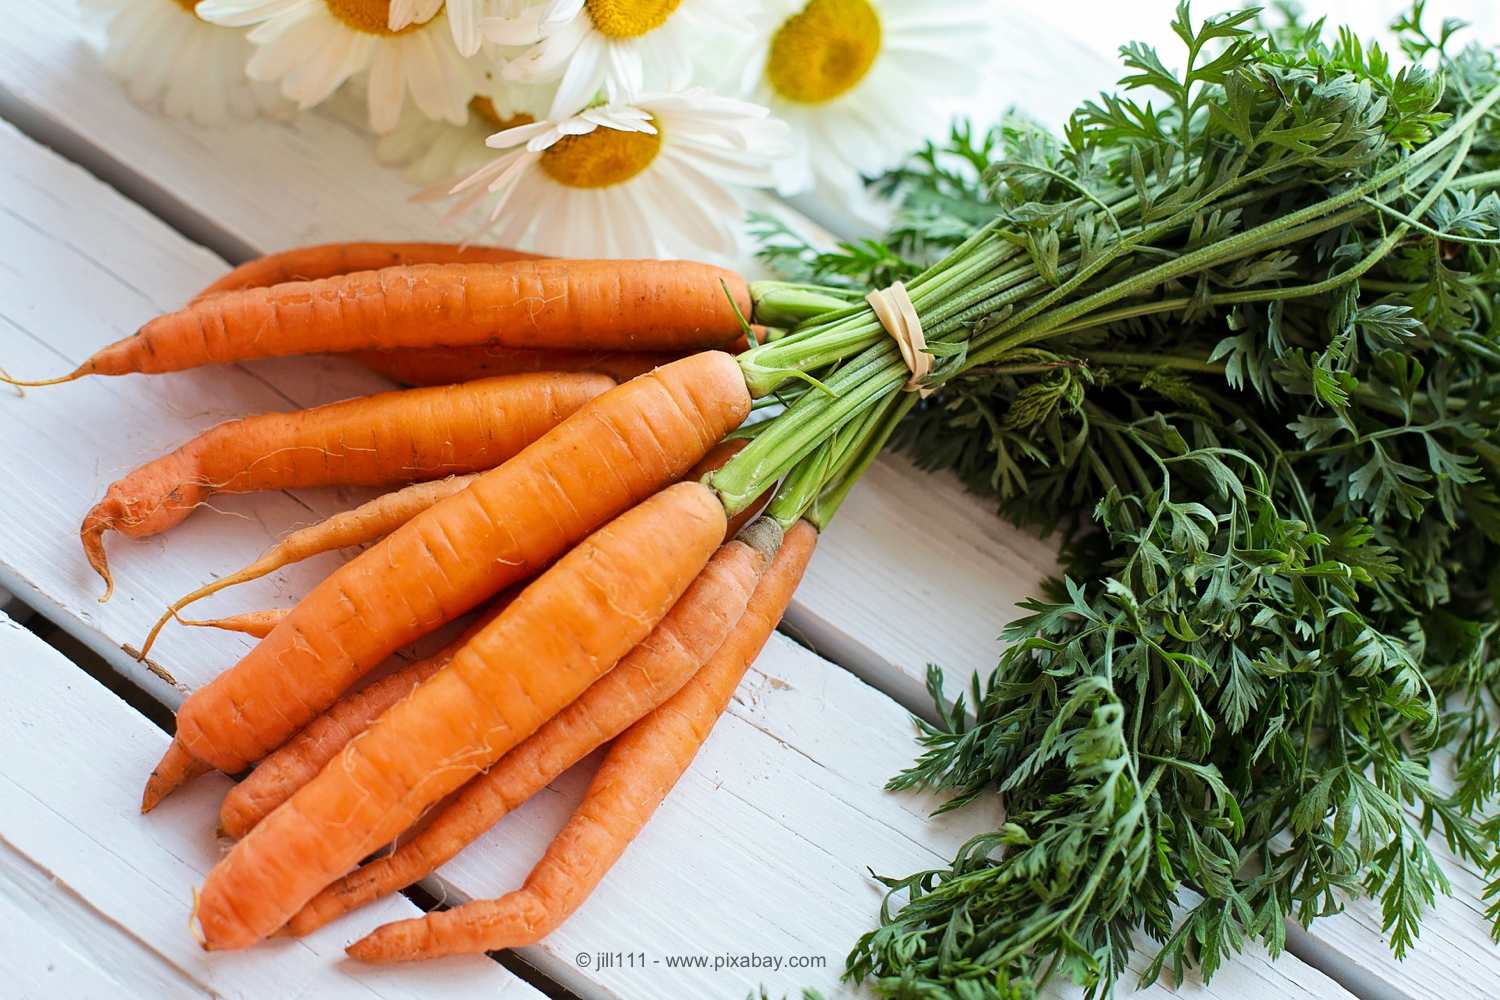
(313, 46)
(463, 17)
(650, 179)
(432, 152)
(858, 82)
(621, 47)
(171, 60)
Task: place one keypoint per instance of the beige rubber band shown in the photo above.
(899, 317)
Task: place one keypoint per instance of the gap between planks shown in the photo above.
(835, 621)
(791, 780)
(878, 606)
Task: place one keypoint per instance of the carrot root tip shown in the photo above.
(21, 383)
(92, 536)
(368, 949)
(176, 767)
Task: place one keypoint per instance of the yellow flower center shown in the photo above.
(601, 158)
(187, 5)
(484, 109)
(629, 18)
(823, 51)
(372, 17)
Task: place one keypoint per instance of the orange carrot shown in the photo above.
(682, 642)
(637, 773)
(175, 767)
(391, 437)
(445, 365)
(515, 519)
(564, 631)
(295, 762)
(254, 623)
(366, 523)
(642, 305)
(328, 259)
(299, 760)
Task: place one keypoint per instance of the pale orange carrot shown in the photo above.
(325, 260)
(293, 764)
(515, 519)
(175, 767)
(444, 365)
(298, 761)
(640, 305)
(682, 642)
(253, 623)
(562, 633)
(637, 773)
(388, 438)
(369, 522)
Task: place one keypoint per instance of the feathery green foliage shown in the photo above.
(1239, 341)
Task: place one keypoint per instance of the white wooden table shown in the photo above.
(109, 215)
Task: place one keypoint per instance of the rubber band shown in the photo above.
(899, 317)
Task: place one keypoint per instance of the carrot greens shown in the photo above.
(1233, 331)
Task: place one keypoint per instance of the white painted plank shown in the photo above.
(1454, 955)
(37, 965)
(789, 788)
(108, 883)
(268, 184)
(777, 786)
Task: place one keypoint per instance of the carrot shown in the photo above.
(635, 776)
(295, 763)
(682, 642)
(366, 523)
(328, 259)
(391, 437)
(615, 451)
(564, 631)
(176, 767)
(650, 305)
(445, 365)
(299, 760)
(254, 623)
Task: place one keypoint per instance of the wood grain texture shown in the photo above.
(325, 186)
(114, 889)
(857, 606)
(762, 848)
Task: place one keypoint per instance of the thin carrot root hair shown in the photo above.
(612, 454)
(658, 667)
(638, 772)
(176, 767)
(253, 623)
(22, 383)
(369, 522)
(561, 634)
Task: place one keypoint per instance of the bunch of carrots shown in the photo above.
(575, 470)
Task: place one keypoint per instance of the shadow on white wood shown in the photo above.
(780, 817)
(107, 883)
(86, 266)
(268, 185)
